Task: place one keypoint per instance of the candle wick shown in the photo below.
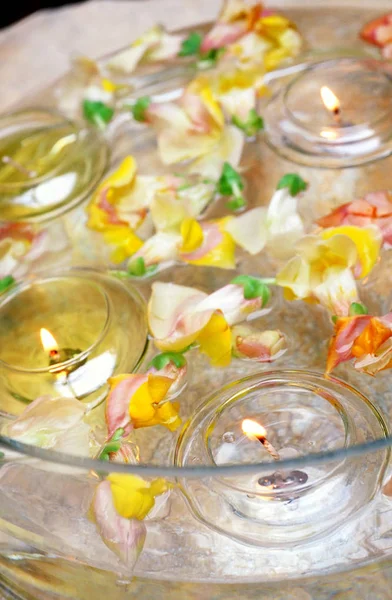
(269, 447)
(337, 116)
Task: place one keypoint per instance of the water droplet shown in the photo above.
(228, 437)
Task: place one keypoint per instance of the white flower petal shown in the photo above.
(250, 230)
(45, 420)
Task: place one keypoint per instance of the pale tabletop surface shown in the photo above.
(34, 53)
(37, 50)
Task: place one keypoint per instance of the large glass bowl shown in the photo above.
(316, 526)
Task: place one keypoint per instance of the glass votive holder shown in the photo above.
(48, 168)
(65, 334)
(334, 114)
(303, 415)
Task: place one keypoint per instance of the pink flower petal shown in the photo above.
(125, 537)
(223, 34)
(212, 238)
(117, 403)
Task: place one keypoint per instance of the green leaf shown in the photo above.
(252, 125)
(112, 447)
(334, 319)
(161, 360)
(120, 274)
(230, 181)
(137, 267)
(253, 288)
(6, 282)
(117, 435)
(236, 204)
(97, 112)
(184, 187)
(293, 182)
(210, 58)
(191, 45)
(140, 107)
(356, 308)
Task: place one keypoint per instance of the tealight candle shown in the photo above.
(263, 421)
(66, 334)
(334, 114)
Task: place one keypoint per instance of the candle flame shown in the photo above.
(331, 102)
(48, 342)
(253, 429)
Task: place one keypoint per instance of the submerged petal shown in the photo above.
(125, 537)
(122, 389)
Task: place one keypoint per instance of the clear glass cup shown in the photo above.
(97, 328)
(215, 534)
(49, 167)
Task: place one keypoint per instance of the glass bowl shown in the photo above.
(214, 534)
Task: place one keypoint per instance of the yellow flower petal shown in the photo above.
(144, 410)
(158, 387)
(273, 58)
(221, 255)
(108, 85)
(192, 235)
(116, 380)
(140, 407)
(125, 239)
(122, 176)
(366, 239)
(167, 415)
(159, 486)
(215, 340)
(213, 107)
(97, 218)
(272, 23)
(132, 496)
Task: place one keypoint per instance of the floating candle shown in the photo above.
(95, 328)
(298, 117)
(302, 413)
(56, 355)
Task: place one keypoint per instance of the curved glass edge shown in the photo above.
(198, 472)
(87, 464)
(25, 285)
(99, 170)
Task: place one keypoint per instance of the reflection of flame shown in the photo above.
(48, 342)
(329, 135)
(331, 102)
(253, 429)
